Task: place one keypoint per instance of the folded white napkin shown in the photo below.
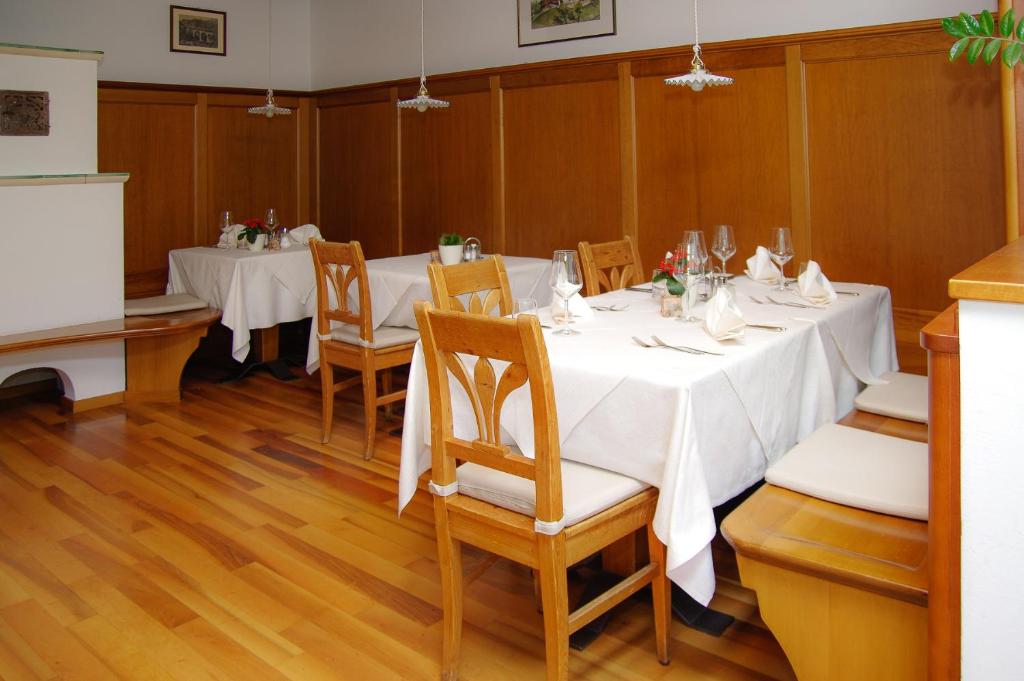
(229, 239)
(723, 319)
(578, 307)
(302, 235)
(814, 286)
(761, 268)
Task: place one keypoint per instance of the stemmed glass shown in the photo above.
(227, 220)
(782, 252)
(270, 219)
(687, 270)
(566, 281)
(723, 244)
(695, 237)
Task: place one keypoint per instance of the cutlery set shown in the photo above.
(658, 343)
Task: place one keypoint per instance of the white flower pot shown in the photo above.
(450, 255)
(259, 244)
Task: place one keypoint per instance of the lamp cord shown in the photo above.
(423, 67)
(696, 25)
(270, 43)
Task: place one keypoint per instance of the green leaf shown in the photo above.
(990, 52)
(1012, 54)
(975, 49)
(987, 23)
(970, 24)
(1020, 30)
(952, 26)
(1006, 24)
(958, 48)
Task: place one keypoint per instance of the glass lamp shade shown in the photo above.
(270, 108)
(423, 101)
(698, 78)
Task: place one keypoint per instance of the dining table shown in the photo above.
(701, 428)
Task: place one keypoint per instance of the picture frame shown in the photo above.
(550, 21)
(199, 31)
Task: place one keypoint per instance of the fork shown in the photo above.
(614, 307)
(685, 348)
(789, 304)
(669, 347)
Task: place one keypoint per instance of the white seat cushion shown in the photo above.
(858, 468)
(175, 302)
(586, 490)
(904, 397)
(383, 337)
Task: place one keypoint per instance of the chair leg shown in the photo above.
(449, 554)
(662, 592)
(554, 591)
(327, 401)
(538, 599)
(385, 389)
(370, 406)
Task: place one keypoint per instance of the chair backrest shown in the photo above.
(484, 281)
(337, 266)
(447, 338)
(610, 266)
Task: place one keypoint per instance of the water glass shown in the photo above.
(566, 281)
(723, 243)
(524, 306)
(781, 252)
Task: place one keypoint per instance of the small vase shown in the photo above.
(451, 255)
(259, 244)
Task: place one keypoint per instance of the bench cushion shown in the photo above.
(858, 468)
(905, 396)
(155, 305)
(586, 490)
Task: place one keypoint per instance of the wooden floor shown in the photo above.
(218, 539)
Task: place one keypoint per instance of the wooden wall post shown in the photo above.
(799, 172)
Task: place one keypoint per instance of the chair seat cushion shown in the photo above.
(905, 396)
(858, 468)
(174, 302)
(383, 337)
(586, 490)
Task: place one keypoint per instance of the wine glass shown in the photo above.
(566, 281)
(723, 244)
(687, 269)
(271, 219)
(781, 252)
(227, 221)
(696, 237)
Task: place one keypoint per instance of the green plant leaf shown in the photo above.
(1012, 54)
(1006, 24)
(958, 48)
(1020, 30)
(952, 26)
(977, 45)
(987, 23)
(970, 24)
(990, 52)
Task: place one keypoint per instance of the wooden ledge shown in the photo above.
(869, 551)
(111, 329)
(53, 52)
(998, 278)
(942, 334)
(74, 178)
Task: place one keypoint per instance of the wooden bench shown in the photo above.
(845, 591)
(156, 348)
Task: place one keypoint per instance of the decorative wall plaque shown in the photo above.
(23, 112)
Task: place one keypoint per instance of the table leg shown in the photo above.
(265, 344)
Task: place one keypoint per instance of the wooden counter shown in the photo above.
(998, 278)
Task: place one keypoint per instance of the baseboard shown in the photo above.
(78, 406)
(152, 396)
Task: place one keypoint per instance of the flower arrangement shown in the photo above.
(665, 271)
(253, 227)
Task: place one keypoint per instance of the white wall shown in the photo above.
(135, 35)
(361, 42)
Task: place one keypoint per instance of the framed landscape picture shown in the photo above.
(548, 21)
(202, 31)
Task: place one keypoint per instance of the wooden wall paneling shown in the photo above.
(561, 165)
(201, 186)
(151, 135)
(627, 152)
(446, 172)
(357, 173)
(253, 162)
(902, 150)
(799, 168)
(395, 152)
(498, 164)
(305, 162)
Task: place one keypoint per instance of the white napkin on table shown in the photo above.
(302, 235)
(814, 286)
(229, 239)
(578, 307)
(723, 319)
(761, 268)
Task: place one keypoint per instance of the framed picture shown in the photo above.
(548, 21)
(202, 31)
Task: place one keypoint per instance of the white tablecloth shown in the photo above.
(395, 283)
(700, 428)
(253, 289)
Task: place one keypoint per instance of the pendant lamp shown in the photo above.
(270, 107)
(698, 76)
(422, 101)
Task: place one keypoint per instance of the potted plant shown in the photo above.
(450, 248)
(663, 277)
(255, 232)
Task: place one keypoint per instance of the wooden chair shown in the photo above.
(484, 281)
(543, 512)
(355, 344)
(612, 265)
